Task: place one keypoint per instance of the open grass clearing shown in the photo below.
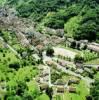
(8, 57)
(43, 97)
(95, 61)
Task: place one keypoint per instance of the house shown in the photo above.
(79, 65)
(84, 41)
(37, 80)
(88, 70)
(24, 54)
(98, 68)
(3, 86)
(59, 82)
(63, 63)
(88, 66)
(73, 81)
(43, 86)
(41, 68)
(49, 63)
(69, 41)
(40, 47)
(79, 71)
(93, 47)
(36, 57)
(96, 44)
(60, 32)
(60, 89)
(72, 89)
(77, 44)
(32, 48)
(44, 74)
(46, 79)
(49, 31)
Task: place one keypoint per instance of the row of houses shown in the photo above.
(69, 89)
(91, 46)
(58, 89)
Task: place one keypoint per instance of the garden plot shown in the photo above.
(64, 52)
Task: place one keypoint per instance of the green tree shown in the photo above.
(49, 92)
(95, 90)
(49, 51)
(86, 31)
(15, 65)
(78, 59)
(72, 26)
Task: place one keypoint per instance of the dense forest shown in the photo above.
(79, 18)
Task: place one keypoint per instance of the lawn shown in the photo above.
(2, 1)
(17, 46)
(67, 77)
(97, 75)
(8, 57)
(43, 97)
(95, 61)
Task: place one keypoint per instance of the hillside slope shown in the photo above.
(57, 13)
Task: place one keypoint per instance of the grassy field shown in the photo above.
(97, 76)
(67, 77)
(43, 97)
(2, 1)
(17, 46)
(8, 57)
(95, 61)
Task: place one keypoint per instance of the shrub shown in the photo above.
(3, 54)
(15, 65)
(49, 51)
(78, 59)
(73, 44)
(89, 55)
